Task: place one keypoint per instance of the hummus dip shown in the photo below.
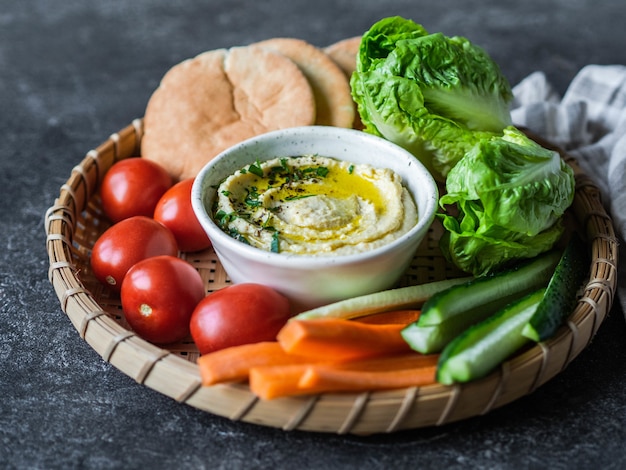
(314, 205)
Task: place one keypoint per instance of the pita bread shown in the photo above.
(330, 86)
(344, 53)
(208, 103)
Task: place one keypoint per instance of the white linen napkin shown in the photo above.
(589, 122)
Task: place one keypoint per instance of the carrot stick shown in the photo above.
(318, 378)
(403, 317)
(405, 370)
(234, 363)
(277, 381)
(340, 340)
(411, 360)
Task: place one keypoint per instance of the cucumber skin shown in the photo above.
(428, 337)
(383, 301)
(518, 281)
(431, 339)
(560, 298)
(482, 347)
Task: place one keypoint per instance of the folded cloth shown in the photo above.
(589, 122)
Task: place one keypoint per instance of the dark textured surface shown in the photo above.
(74, 71)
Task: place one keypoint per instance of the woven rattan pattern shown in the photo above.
(75, 221)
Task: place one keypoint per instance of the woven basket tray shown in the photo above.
(75, 221)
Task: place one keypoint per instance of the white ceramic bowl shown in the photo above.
(310, 281)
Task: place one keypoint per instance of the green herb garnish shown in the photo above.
(322, 171)
(252, 198)
(234, 233)
(275, 245)
(222, 218)
(255, 169)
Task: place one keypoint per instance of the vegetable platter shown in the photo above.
(75, 220)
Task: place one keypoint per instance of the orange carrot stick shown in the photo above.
(403, 317)
(405, 370)
(340, 340)
(411, 360)
(234, 363)
(277, 381)
(318, 378)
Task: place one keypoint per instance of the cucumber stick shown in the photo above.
(451, 311)
(384, 301)
(561, 294)
(482, 347)
(431, 339)
(495, 289)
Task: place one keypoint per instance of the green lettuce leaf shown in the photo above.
(434, 95)
(381, 39)
(510, 194)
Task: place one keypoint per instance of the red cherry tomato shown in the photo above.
(238, 314)
(133, 187)
(174, 210)
(158, 297)
(126, 243)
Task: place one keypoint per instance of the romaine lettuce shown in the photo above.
(447, 102)
(434, 95)
(511, 194)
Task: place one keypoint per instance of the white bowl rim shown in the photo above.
(313, 261)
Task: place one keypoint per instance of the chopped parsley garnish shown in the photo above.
(322, 171)
(222, 218)
(311, 172)
(252, 198)
(266, 224)
(255, 169)
(233, 232)
(275, 245)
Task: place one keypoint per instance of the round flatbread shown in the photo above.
(330, 86)
(208, 103)
(344, 53)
